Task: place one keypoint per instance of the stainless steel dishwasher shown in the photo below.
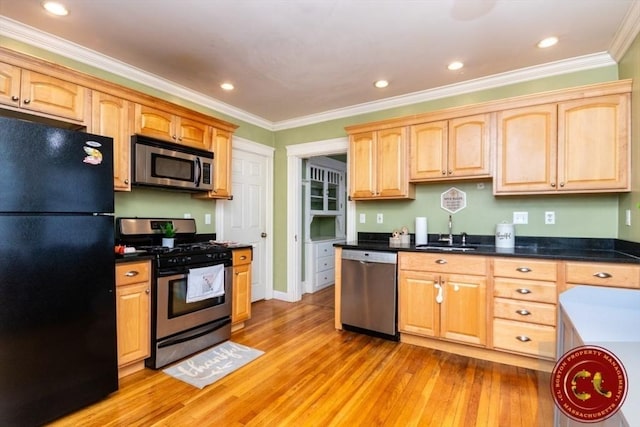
(369, 293)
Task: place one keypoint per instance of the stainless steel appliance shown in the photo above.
(369, 296)
(180, 328)
(163, 164)
(57, 278)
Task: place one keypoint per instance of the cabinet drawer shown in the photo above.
(525, 269)
(132, 272)
(325, 249)
(325, 263)
(242, 256)
(525, 290)
(528, 338)
(525, 311)
(325, 277)
(604, 274)
(443, 263)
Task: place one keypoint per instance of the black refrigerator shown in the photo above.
(57, 272)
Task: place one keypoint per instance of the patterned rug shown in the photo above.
(209, 366)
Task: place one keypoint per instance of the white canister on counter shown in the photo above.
(505, 236)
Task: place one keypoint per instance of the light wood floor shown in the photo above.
(313, 375)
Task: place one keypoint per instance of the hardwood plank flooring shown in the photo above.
(313, 375)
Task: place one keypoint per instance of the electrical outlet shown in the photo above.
(549, 217)
(207, 219)
(379, 218)
(521, 217)
(363, 218)
(480, 186)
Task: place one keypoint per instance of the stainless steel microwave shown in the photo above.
(163, 164)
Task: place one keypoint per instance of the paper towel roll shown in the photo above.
(421, 230)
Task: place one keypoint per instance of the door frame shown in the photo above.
(295, 154)
(268, 153)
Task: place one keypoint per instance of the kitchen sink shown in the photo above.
(439, 246)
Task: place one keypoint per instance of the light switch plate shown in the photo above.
(363, 218)
(379, 218)
(207, 219)
(521, 217)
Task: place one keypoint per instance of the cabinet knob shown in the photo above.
(602, 275)
(523, 291)
(523, 338)
(243, 257)
(15, 98)
(26, 101)
(147, 291)
(131, 273)
(126, 181)
(444, 172)
(523, 312)
(450, 172)
(562, 184)
(523, 269)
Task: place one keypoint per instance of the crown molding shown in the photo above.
(627, 32)
(57, 45)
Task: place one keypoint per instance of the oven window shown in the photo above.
(178, 305)
(172, 167)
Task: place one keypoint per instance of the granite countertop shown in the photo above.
(575, 249)
(609, 318)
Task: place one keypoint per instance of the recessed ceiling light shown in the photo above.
(548, 42)
(56, 8)
(381, 84)
(456, 65)
(227, 86)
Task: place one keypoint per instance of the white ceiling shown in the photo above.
(291, 59)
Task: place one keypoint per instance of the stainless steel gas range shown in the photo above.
(191, 292)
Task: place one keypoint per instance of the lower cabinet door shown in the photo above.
(133, 314)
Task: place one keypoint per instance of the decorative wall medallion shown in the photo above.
(453, 200)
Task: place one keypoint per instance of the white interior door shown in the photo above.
(246, 217)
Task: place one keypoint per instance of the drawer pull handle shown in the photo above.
(523, 338)
(441, 261)
(523, 312)
(131, 273)
(243, 257)
(523, 269)
(523, 291)
(602, 275)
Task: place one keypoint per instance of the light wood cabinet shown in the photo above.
(32, 92)
(443, 296)
(221, 146)
(241, 304)
(167, 126)
(111, 116)
(451, 149)
(378, 165)
(525, 306)
(602, 274)
(133, 311)
(574, 147)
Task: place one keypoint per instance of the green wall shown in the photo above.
(630, 69)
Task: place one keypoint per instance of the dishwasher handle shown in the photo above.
(370, 256)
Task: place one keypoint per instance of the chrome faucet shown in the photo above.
(449, 239)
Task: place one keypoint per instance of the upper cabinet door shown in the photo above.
(392, 177)
(154, 123)
(428, 151)
(526, 150)
(469, 147)
(9, 85)
(222, 152)
(193, 133)
(362, 159)
(594, 144)
(110, 116)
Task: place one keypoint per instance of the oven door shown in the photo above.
(175, 315)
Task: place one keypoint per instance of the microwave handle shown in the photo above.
(199, 174)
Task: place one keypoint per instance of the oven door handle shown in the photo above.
(214, 326)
